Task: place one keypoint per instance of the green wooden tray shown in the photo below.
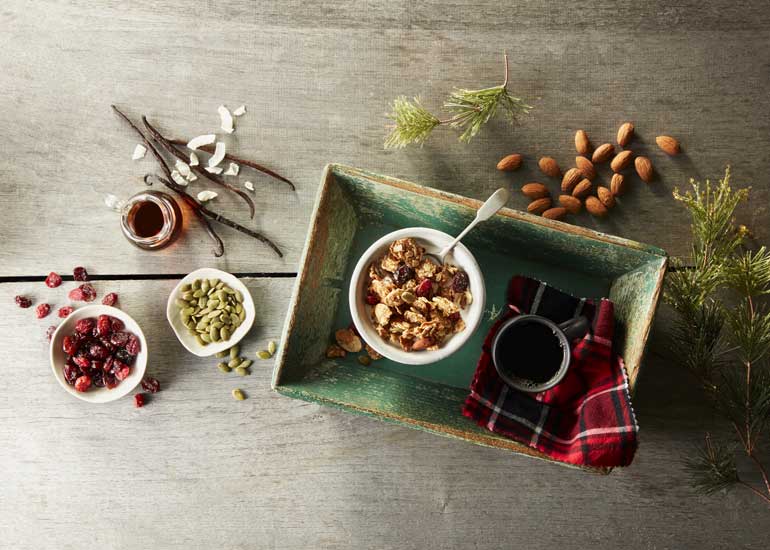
(354, 208)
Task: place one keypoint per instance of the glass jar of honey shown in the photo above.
(151, 220)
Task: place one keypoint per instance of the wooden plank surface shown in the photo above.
(196, 469)
(317, 81)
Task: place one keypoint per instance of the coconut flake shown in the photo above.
(139, 152)
(191, 177)
(232, 170)
(218, 156)
(213, 170)
(206, 195)
(248, 185)
(226, 119)
(113, 203)
(240, 111)
(194, 159)
(200, 141)
(178, 178)
(183, 168)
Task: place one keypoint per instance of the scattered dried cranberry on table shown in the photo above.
(151, 385)
(23, 301)
(42, 310)
(49, 332)
(99, 353)
(110, 299)
(64, 311)
(53, 280)
(83, 293)
(80, 273)
(139, 400)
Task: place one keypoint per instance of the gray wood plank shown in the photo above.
(317, 80)
(196, 469)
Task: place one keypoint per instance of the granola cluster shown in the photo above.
(416, 302)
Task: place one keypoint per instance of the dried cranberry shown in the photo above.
(82, 361)
(53, 280)
(50, 331)
(89, 292)
(117, 324)
(97, 365)
(109, 380)
(42, 310)
(103, 325)
(83, 383)
(84, 326)
(124, 356)
(372, 299)
(70, 345)
(454, 316)
(23, 301)
(121, 373)
(71, 373)
(133, 346)
(65, 310)
(460, 281)
(97, 351)
(119, 338)
(98, 378)
(151, 385)
(76, 295)
(80, 273)
(107, 367)
(403, 274)
(110, 299)
(139, 400)
(424, 288)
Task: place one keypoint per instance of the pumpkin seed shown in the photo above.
(200, 340)
(188, 311)
(238, 308)
(223, 367)
(213, 282)
(198, 293)
(205, 286)
(181, 304)
(234, 362)
(242, 316)
(241, 371)
(238, 394)
(222, 353)
(408, 297)
(224, 333)
(238, 296)
(214, 334)
(246, 363)
(202, 302)
(196, 284)
(186, 287)
(271, 347)
(263, 354)
(213, 314)
(220, 284)
(234, 351)
(205, 337)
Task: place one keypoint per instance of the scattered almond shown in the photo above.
(549, 167)
(617, 184)
(621, 160)
(595, 207)
(509, 163)
(625, 133)
(348, 340)
(644, 168)
(570, 179)
(555, 213)
(605, 196)
(582, 144)
(570, 203)
(534, 190)
(582, 189)
(669, 145)
(539, 206)
(586, 167)
(603, 153)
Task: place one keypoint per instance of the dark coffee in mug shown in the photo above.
(530, 350)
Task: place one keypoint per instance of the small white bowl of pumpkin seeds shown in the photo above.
(210, 311)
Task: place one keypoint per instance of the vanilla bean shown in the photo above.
(146, 141)
(168, 146)
(251, 164)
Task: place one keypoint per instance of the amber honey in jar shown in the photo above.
(151, 220)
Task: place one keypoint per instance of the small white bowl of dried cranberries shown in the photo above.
(98, 354)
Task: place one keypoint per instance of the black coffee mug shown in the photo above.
(532, 353)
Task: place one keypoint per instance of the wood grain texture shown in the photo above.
(196, 469)
(317, 81)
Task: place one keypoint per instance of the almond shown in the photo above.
(572, 204)
(603, 153)
(605, 196)
(625, 133)
(643, 168)
(586, 167)
(582, 144)
(549, 167)
(570, 179)
(621, 161)
(534, 190)
(509, 163)
(582, 189)
(538, 206)
(669, 145)
(595, 207)
(618, 184)
(555, 213)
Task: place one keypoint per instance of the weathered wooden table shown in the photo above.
(197, 469)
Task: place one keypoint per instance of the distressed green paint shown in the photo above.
(354, 208)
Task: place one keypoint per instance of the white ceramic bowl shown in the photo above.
(188, 341)
(98, 395)
(433, 241)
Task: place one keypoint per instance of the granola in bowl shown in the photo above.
(415, 302)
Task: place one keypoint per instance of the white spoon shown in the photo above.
(487, 210)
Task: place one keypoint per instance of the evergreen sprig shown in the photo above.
(469, 109)
(727, 343)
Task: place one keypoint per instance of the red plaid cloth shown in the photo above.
(586, 419)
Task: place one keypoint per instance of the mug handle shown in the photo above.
(574, 328)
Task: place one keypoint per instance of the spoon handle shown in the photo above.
(487, 210)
